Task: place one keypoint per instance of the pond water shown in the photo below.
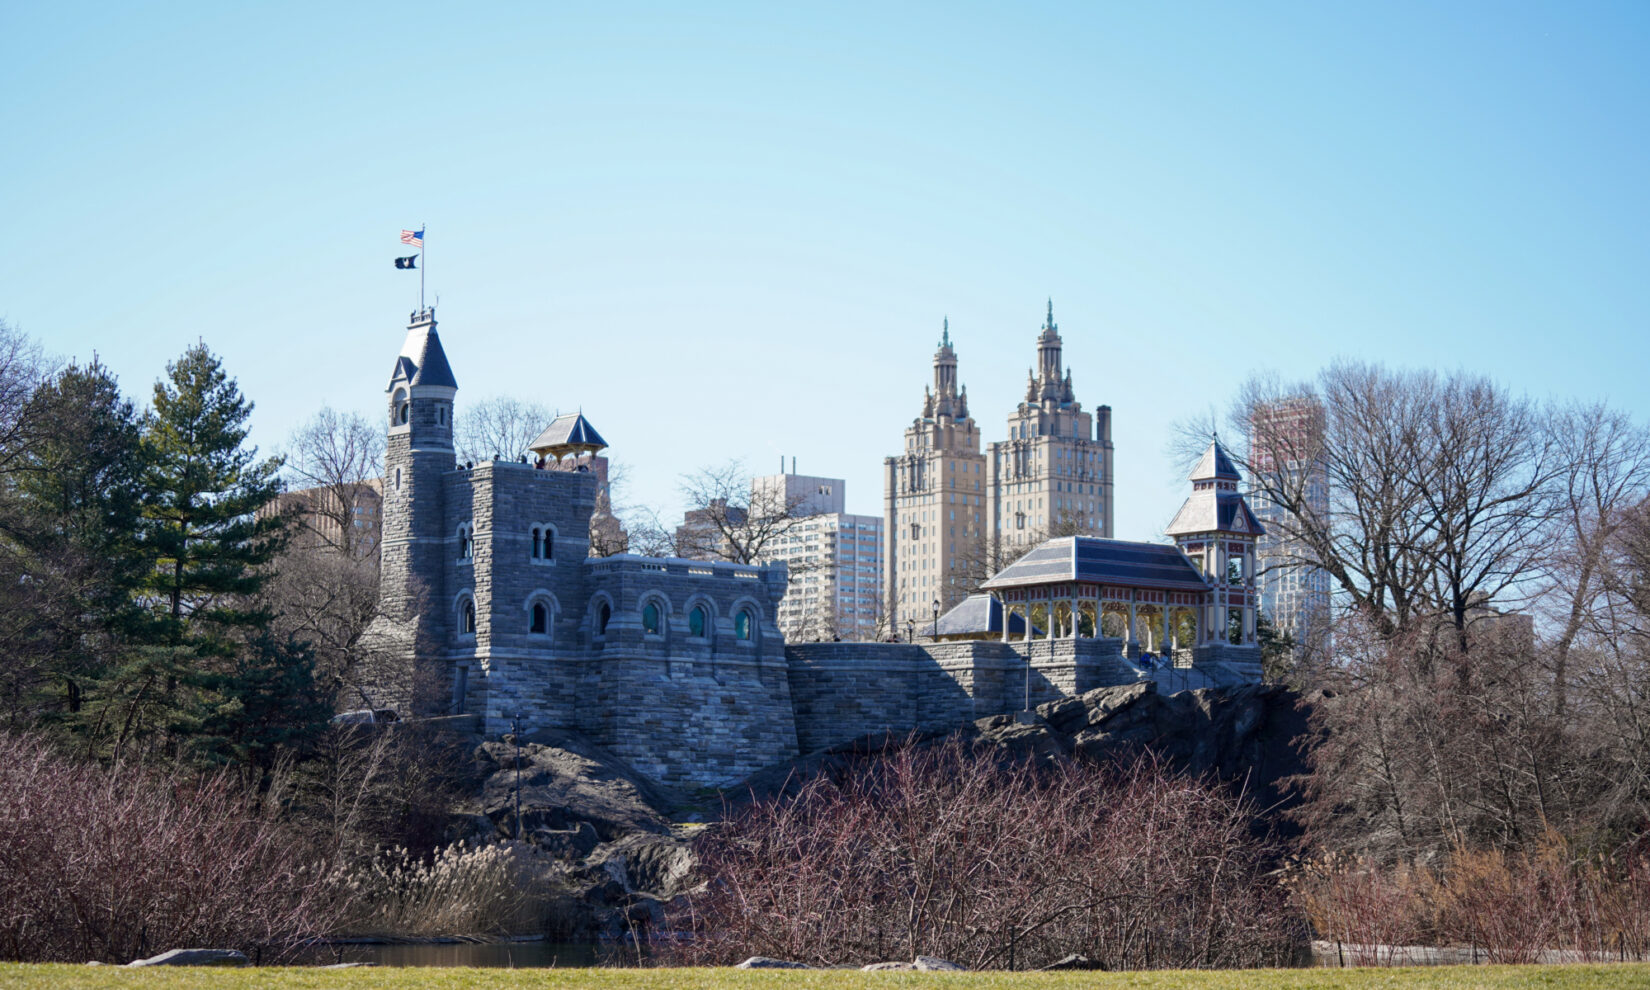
(505, 955)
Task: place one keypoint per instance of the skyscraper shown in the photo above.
(954, 514)
(1286, 454)
(834, 559)
(933, 500)
(1053, 475)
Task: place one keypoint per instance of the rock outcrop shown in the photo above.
(1251, 735)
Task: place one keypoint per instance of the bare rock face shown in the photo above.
(566, 782)
(766, 962)
(194, 957)
(934, 964)
(888, 966)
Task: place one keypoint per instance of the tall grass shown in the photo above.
(503, 888)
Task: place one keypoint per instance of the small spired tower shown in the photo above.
(418, 453)
(1216, 530)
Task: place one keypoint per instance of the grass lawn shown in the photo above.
(61, 977)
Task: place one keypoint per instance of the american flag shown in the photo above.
(413, 237)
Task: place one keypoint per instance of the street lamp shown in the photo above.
(936, 620)
(910, 630)
(515, 737)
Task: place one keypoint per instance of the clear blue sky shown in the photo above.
(732, 231)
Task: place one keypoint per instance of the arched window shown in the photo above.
(538, 543)
(550, 544)
(698, 619)
(650, 618)
(467, 618)
(603, 616)
(541, 619)
(398, 408)
(742, 625)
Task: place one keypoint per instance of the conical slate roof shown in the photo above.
(1214, 465)
(422, 360)
(1216, 507)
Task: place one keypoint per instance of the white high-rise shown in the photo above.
(835, 560)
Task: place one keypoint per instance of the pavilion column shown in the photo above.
(1048, 614)
(1007, 615)
(1076, 620)
(1134, 633)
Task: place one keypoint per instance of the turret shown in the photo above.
(1217, 531)
(418, 451)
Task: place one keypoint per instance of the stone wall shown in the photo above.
(841, 691)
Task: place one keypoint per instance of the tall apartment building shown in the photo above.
(348, 519)
(834, 559)
(1285, 445)
(1053, 475)
(954, 512)
(934, 496)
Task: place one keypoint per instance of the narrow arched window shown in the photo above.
(603, 616)
(469, 620)
(742, 625)
(550, 545)
(650, 618)
(541, 618)
(538, 543)
(697, 621)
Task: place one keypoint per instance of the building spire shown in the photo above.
(945, 335)
(1049, 325)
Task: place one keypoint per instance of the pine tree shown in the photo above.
(203, 488)
(217, 685)
(71, 535)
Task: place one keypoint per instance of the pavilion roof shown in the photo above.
(1097, 561)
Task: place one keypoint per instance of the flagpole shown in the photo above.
(422, 230)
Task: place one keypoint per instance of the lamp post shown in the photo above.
(936, 636)
(515, 736)
(910, 630)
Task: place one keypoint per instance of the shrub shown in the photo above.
(945, 852)
(116, 864)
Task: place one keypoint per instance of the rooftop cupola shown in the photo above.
(569, 435)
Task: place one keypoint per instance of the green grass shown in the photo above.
(70, 977)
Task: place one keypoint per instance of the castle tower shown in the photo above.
(1053, 475)
(933, 503)
(1216, 530)
(418, 453)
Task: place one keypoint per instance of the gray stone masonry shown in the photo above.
(841, 691)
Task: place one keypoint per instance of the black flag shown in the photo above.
(411, 262)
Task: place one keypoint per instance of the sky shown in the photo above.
(732, 231)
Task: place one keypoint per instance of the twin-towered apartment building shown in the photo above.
(955, 509)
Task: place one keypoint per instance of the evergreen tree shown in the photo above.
(73, 560)
(216, 686)
(203, 488)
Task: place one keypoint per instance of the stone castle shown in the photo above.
(679, 666)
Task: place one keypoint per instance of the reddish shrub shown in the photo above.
(117, 864)
(950, 853)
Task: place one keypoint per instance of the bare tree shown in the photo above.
(1604, 477)
(1440, 489)
(22, 368)
(498, 427)
(728, 519)
(337, 459)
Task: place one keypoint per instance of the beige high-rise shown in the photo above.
(933, 502)
(1053, 475)
(953, 513)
